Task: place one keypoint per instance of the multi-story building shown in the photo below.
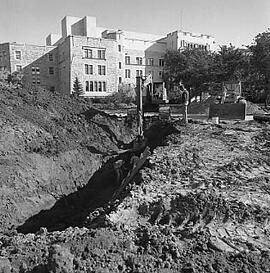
(101, 58)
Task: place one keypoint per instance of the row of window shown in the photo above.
(36, 80)
(92, 54)
(18, 55)
(148, 61)
(89, 69)
(95, 86)
(185, 44)
(36, 70)
(140, 73)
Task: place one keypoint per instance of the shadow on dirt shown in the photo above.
(73, 209)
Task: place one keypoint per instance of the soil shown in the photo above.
(50, 146)
(201, 203)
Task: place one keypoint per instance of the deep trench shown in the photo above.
(98, 194)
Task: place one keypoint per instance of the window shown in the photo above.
(101, 70)
(18, 68)
(36, 81)
(101, 54)
(161, 62)
(1, 57)
(138, 73)
(96, 86)
(160, 73)
(88, 69)
(139, 60)
(50, 57)
(91, 86)
(150, 62)
(18, 55)
(35, 70)
(127, 59)
(104, 86)
(127, 73)
(120, 65)
(51, 70)
(119, 48)
(120, 80)
(99, 86)
(87, 86)
(88, 53)
(4, 54)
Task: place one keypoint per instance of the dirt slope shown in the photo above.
(201, 204)
(50, 145)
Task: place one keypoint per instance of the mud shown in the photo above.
(199, 204)
(50, 146)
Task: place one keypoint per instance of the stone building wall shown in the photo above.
(39, 64)
(78, 62)
(64, 66)
(149, 50)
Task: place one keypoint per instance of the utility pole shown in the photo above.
(181, 20)
(139, 105)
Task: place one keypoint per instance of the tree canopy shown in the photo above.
(200, 70)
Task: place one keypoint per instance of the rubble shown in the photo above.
(200, 203)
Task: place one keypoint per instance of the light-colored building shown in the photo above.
(101, 58)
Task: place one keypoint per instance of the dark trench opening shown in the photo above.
(98, 193)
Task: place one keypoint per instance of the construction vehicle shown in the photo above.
(231, 91)
(153, 97)
(231, 105)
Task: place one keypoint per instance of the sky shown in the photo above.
(229, 21)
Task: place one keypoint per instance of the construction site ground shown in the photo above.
(201, 202)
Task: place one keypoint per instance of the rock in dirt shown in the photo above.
(5, 266)
(60, 260)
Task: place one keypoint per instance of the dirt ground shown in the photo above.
(50, 146)
(200, 204)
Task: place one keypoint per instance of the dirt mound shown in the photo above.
(50, 146)
(199, 205)
(203, 107)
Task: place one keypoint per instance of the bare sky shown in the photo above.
(229, 21)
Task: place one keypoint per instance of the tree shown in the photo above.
(126, 94)
(203, 71)
(260, 63)
(230, 64)
(192, 66)
(17, 77)
(77, 87)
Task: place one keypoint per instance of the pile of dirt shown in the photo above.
(200, 204)
(50, 146)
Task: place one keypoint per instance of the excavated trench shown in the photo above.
(77, 208)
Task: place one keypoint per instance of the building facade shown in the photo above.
(102, 59)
